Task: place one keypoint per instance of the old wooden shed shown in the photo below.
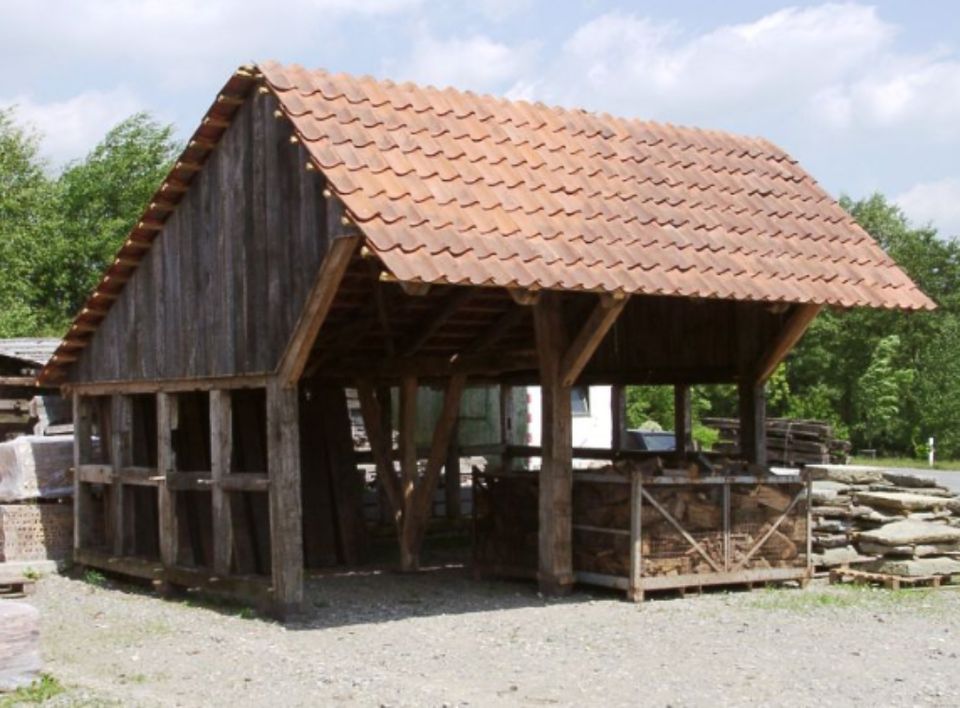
(322, 231)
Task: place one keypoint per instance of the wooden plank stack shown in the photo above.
(790, 442)
(884, 521)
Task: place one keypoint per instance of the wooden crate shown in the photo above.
(33, 532)
(642, 534)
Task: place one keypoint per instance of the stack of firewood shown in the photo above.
(790, 442)
(887, 521)
(506, 521)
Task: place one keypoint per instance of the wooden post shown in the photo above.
(451, 475)
(286, 514)
(635, 588)
(682, 418)
(556, 477)
(618, 417)
(221, 452)
(166, 467)
(506, 425)
(753, 413)
(121, 424)
(407, 429)
(82, 453)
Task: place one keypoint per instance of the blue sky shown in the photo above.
(866, 96)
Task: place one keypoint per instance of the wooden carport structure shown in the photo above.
(324, 231)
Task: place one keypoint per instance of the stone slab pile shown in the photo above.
(884, 521)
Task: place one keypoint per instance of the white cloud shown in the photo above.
(71, 127)
(936, 203)
(475, 62)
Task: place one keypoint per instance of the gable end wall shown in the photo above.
(220, 290)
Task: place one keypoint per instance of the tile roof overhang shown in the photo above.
(453, 187)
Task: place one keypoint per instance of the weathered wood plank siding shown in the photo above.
(220, 291)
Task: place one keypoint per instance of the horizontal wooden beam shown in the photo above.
(94, 474)
(99, 388)
(432, 367)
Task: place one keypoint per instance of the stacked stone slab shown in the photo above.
(884, 521)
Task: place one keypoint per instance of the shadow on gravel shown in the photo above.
(372, 596)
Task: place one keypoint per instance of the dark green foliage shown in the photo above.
(57, 235)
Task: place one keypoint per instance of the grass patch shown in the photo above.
(40, 691)
(900, 462)
(95, 578)
(840, 597)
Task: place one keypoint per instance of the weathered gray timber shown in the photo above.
(220, 291)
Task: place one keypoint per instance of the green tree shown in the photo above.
(879, 393)
(27, 203)
(938, 386)
(100, 199)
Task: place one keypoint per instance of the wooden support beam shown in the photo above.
(315, 311)
(221, 452)
(415, 525)
(121, 425)
(100, 388)
(451, 475)
(427, 328)
(286, 514)
(753, 434)
(555, 573)
(407, 430)
(433, 367)
(682, 418)
(166, 466)
(506, 436)
(381, 446)
(82, 454)
(618, 417)
(800, 318)
(601, 319)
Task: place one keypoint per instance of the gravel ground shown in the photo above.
(442, 638)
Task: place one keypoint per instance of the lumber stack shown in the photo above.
(884, 521)
(790, 442)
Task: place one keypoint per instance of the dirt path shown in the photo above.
(444, 639)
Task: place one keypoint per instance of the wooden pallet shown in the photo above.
(891, 582)
(16, 587)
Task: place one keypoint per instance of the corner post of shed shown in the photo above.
(555, 573)
(286, 513)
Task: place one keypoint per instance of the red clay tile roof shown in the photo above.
(459, 188)
(452, 187)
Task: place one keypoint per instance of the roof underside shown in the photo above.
(455, 188)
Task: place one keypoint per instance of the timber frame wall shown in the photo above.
(111, 536)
